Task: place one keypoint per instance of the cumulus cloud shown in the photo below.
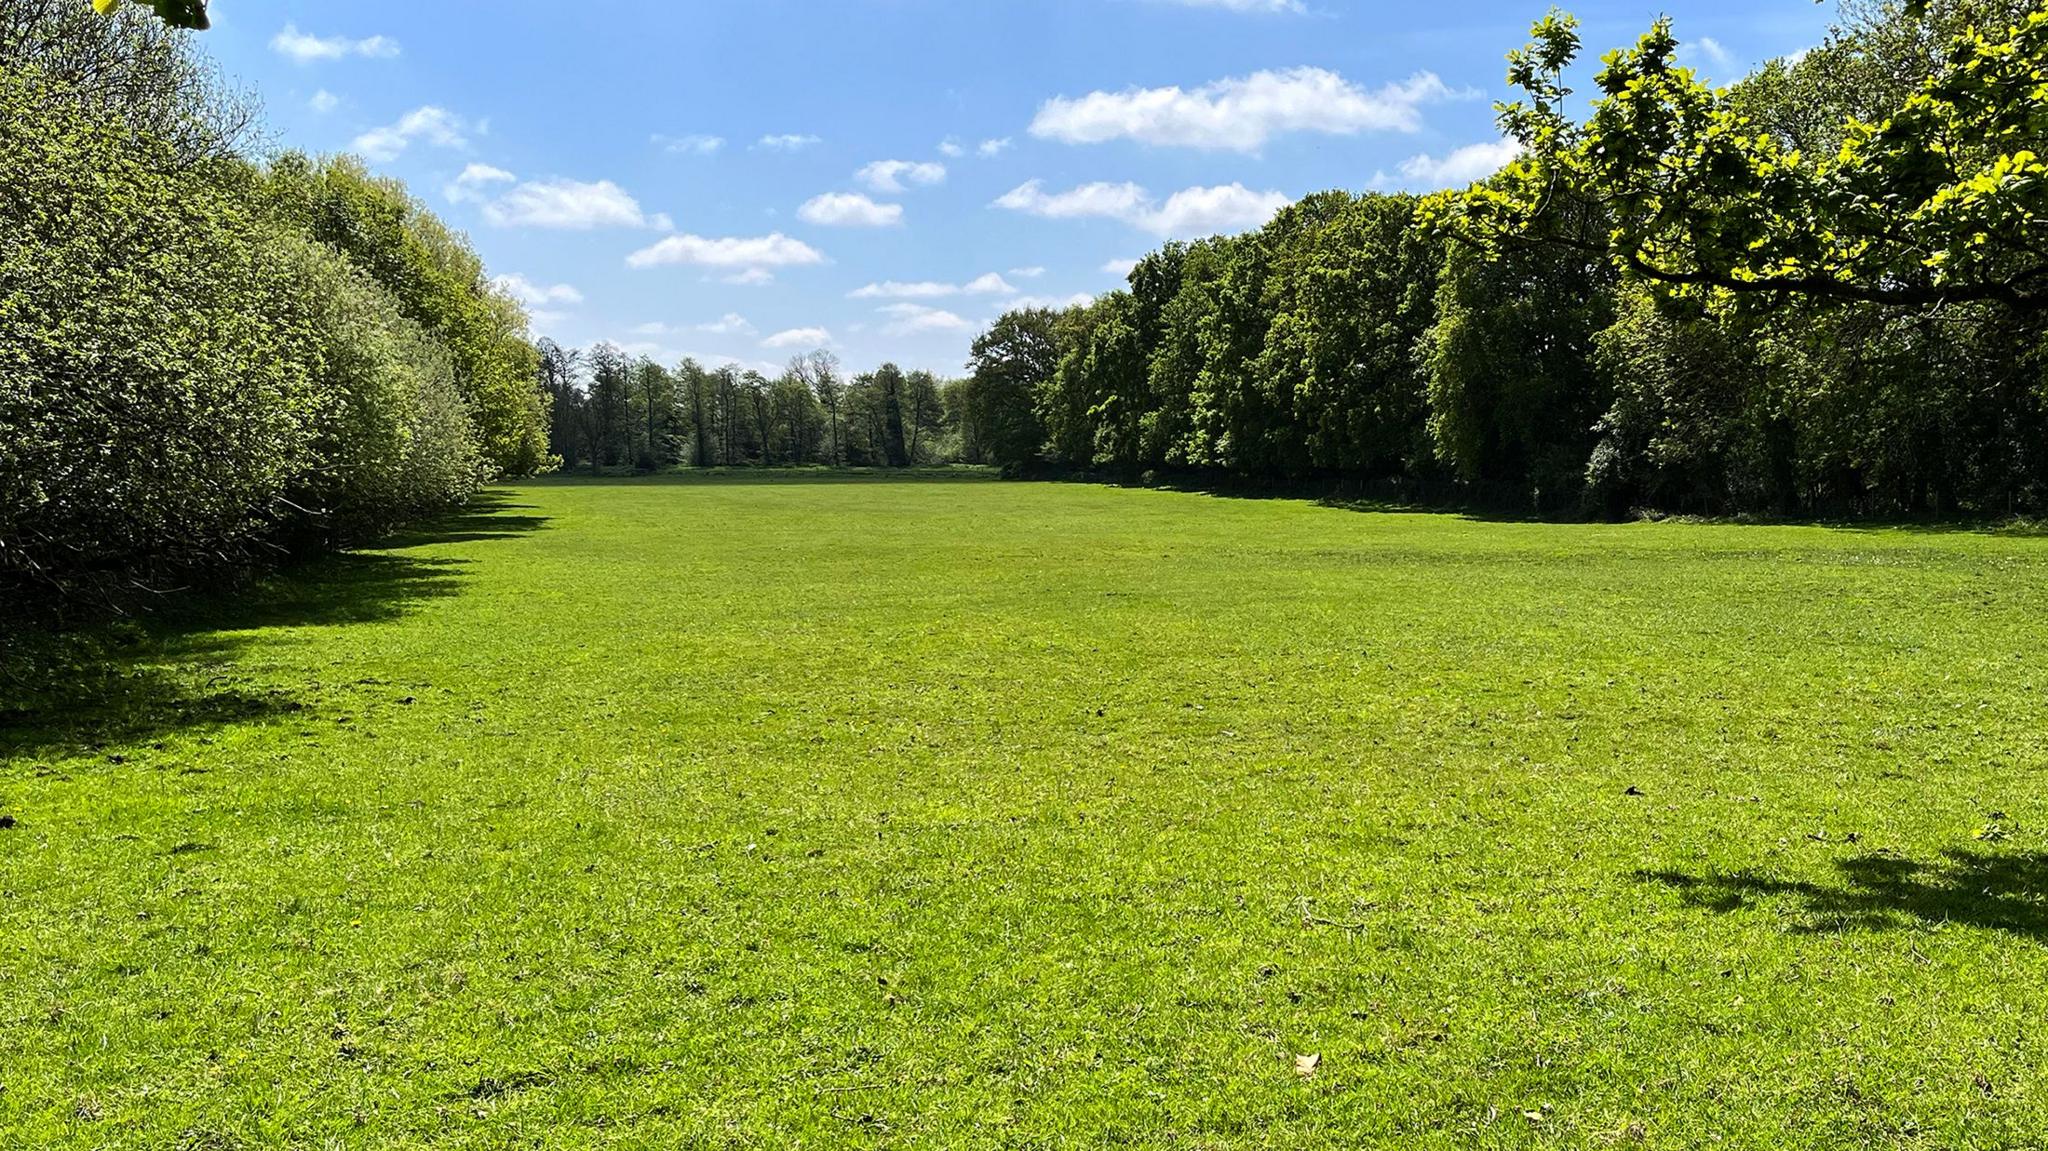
(994, 147)
(991, 284)
(951, 149)
(1241, 114)
(469, 186)
(798, 338)
(730, 324)
(535, 295)
(1466, 165)
(1115, 201)
(747, 259)
(324, 102)
(430, 125)
(304, 49)
(891, 175)
(1190, 212)
(692, 145)
(988, 285)
(917, 319)
(849, 210)
(570, 204)
(1030, 273)
(1119, 268)
(574, 205)
(789, 142)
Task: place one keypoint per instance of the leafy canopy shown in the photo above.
(1941, 201)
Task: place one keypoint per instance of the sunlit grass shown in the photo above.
(742, 812)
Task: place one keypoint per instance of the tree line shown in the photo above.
(612, 410)
(206, 361)
(1816, 291)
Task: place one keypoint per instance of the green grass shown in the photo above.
(738, 813)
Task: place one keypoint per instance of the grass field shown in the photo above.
(761, 812)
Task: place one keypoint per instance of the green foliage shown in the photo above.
(1513, 392)
(1931, 204)
(1013, 360)
(204, 365)
(1688, 429)
(393, 433)
(439, 282)
(151, 412)
(1813, 291)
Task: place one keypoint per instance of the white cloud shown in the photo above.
(951, 148)
(895, 290)
(304, 49)
(693, 145)
(468, 187)
(994, 147)
(1115, 201)
(1187, 213)
(535, 295)
(574, 205)
(750, 278)
(1466, 165)
(849, 210)
(730, 324)
(916, 319)
(988, 285)
(750, 259)
(1208, 211)
(324, 102)
(1241, 114)
(435, 126)
(798, 338)
(889, 175)
(1119, 268)
(1714, 50)
(1031, 273)
(790, 142)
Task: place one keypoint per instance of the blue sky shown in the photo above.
(745, 179)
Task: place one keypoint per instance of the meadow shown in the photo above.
(759, 810)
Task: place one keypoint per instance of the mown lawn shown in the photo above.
(758, 812)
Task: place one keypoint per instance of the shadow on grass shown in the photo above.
(771, 476)
(2002, 891)
(487, 517)
(128, 681)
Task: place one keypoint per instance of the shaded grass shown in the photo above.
(704, 811)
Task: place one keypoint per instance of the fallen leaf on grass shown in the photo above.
(1305, 1065)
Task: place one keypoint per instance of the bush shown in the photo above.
(151, 416)
(394, 436)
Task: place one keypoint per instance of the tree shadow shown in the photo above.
(777, 476)
(110, 682)
(487, 517)
(1997, 890)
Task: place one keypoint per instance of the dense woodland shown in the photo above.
(1664, 307)
(1818, 291)
(206, 361)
